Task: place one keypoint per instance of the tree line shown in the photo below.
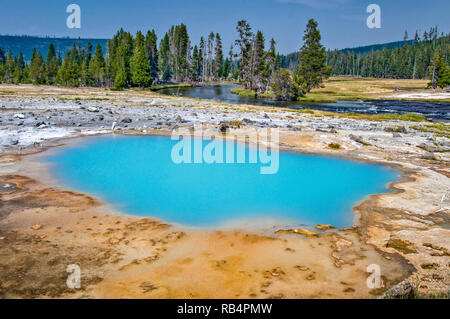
(140, 61)
(407, 62)
(415, 59)
(130, 61)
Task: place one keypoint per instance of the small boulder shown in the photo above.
(223, 127)
(403, 290)
(19, 116)
(325, 227)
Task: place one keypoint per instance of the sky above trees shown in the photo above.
(341, 22)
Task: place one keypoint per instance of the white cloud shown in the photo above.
(317, 3)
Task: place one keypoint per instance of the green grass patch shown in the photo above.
(249, 93)
(402, 246)
(411, 117)
(169, 86)
(335, 146)
(236, 123)
(440, 129)
(83, 99)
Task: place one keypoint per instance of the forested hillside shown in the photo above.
(412, 60)
(25, 44)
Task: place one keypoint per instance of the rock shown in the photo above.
(299, 231)
(14, 142)
(302, 268)
(429, 266)
(127, 120)
(19, 116)
(403, 290)
(325, 227)
(147, 286)
(355, 138)
(429, 156)
(342, 244)
(428, 148)
(93, 109)
(36, 227)
(349, 289)
(311, 277)
(223, 127)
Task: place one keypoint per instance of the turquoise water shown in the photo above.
(137, 176)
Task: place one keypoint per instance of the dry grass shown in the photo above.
(350, 89)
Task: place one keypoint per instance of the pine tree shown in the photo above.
(121, 78)
(164, 58)
(245, 45)
(19, 74)
(439, 72)
(2, 56)
(88, 52)
(97, 66)
(69, 74)
(52, 64)
(181, 52)
(151, 42)
(257, 63)
(2, 63)
(9, 67)
(203, 57)
(230, 58)
(312, 70)
(37, 72)
(140, 63)
(218, 58)
(85, 77)
(226, 68)
(210, 70)
(196, 63)
(270, 64)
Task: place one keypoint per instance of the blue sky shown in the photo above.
(342, 22)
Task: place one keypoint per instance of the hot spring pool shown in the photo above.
(136, 175)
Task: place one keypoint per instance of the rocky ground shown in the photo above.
(43, 228)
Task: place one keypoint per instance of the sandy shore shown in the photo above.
(44, 228)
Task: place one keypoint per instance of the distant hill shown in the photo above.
(377, 47)
(25, 44)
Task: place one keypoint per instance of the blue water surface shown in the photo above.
(137, 176)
